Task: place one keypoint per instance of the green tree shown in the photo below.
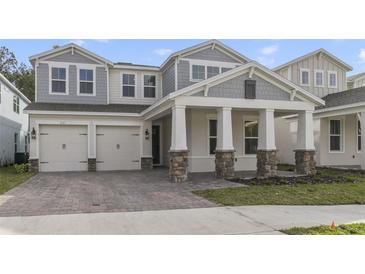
(22, 76)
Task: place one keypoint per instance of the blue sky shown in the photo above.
(153, 52)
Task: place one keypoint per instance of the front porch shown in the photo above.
(228, 142)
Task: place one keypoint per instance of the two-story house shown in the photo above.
(13, 122)
(337, 125)
(206, 108)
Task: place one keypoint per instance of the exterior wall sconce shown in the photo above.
(33, 134)
(147, 134)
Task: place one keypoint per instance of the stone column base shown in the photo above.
(178, 165)
(91, 164)
(266, 164)
(304, 162)
(33, 165)
(146, 163)
(224, 163)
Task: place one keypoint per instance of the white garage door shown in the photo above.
(63, 148)
(117, 148)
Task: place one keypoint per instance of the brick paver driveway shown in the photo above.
(84, 192)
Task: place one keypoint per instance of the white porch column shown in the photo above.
(362, 124)
(224, 129)
(305, 135)
(266, 130)
(178, 129)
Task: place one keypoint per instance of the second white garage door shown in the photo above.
(117, 148)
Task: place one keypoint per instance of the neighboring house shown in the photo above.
(206, 108)
(356, 81)
(13, 122)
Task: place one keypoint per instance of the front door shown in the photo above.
(156, 144)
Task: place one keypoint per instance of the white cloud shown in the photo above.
(102, 40)
(78, 42)
(163, 51)
(362, 55)
(269, 50)
(266, 61)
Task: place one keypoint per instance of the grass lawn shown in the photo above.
(349, 229)
(350, 190)
(9, 178)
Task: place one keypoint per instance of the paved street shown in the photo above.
(261, 220)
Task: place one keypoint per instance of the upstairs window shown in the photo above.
(250, 89)
(212, 71)
(251, 137)
(58, 80)
(129, 85)
(86, 81)
(335, 135)
(304, 77)
(16, 104)
(212, 136)
(318, 76)
(198, 72)
(332, 79)
(149, 86)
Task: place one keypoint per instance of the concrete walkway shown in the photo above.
(264, 220)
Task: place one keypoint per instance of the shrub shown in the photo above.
(21, 168)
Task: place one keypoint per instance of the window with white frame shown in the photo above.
(304, 77)
(16, 104)
(212, 71)
(251, 137)
(58, 78)
(198, 72)
(212, 136)
(129, 85)
(318, 78)
(149, 86)
(335, 135)
(332, 79)
(358, 135)
(86, 78)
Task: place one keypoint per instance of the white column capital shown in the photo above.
(225, 109)
(178, 107)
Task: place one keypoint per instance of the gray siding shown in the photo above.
(212, 55)
(43, 87)
(168, 80)
(68, 57)
(183, 75)
(235, 88)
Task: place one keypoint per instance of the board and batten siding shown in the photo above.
(292, 72)
(43, 84)
(359, 83)
(115, 86)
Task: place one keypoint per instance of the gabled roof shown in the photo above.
(318, 51)
(14, 88)
(343, 98)
(67, 47)
(355, 76)
(234, 73)
(210, 43)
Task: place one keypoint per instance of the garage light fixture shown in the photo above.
(147, 134)
(33, 134)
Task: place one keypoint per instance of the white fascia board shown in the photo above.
(135, 67)
(340, 110)
(70, 46)
(14, 88)
(80, 113)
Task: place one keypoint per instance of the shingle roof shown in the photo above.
(116, 108)
(342, 98)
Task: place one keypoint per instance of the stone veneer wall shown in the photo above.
(91, 164)
(266, 164)
(224, 163)
(33, 165)
(304, 162)
(146, 163)
(178, 169)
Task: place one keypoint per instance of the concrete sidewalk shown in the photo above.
(264, 220)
